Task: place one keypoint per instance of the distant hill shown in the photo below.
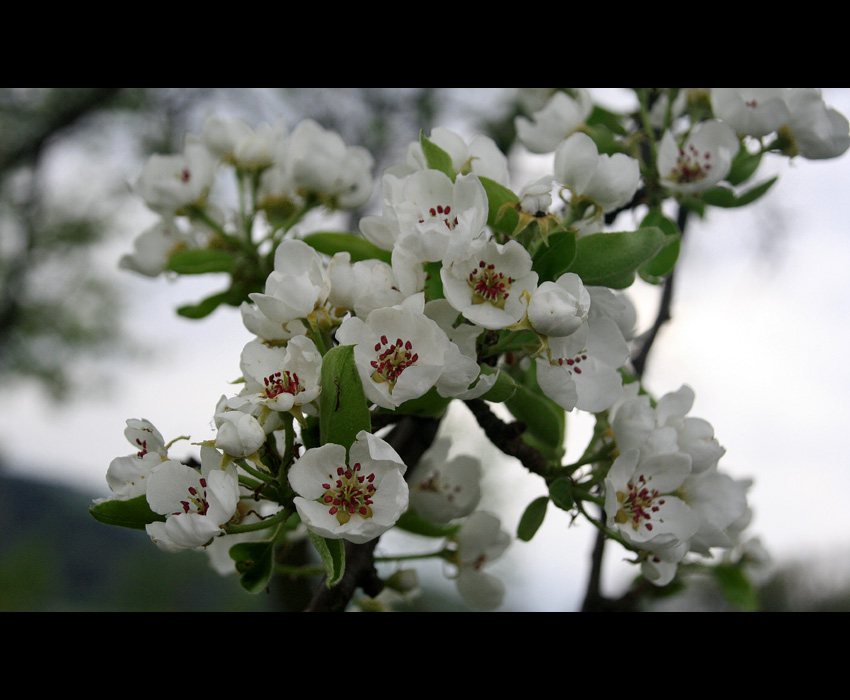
(55, 557)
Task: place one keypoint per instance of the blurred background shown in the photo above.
(759, 331)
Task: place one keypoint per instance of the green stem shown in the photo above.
(276, 520)
(442, 554)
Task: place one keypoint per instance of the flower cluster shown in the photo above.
(664, 494)
(458, 289)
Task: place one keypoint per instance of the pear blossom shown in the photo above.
(444, 489)
(235, 141)
(356, 499)
(480, 541)
(559, 308)
(321, 163)
(610, 181)
(127, 477)
(401, 354)
(480, 155)
(535, 198)
(642, 504)
(428, 214)
(155, 245)
(240, 435)
(819, 132)
(700, 160)
(298, 286)
(636, 424)
(561, 116)
(719, 502)
(751, 111)
(581, 370)
(280, 379)
(273, 332)
(362, 286)
(489, 283)
(169, 184)
(196, 503)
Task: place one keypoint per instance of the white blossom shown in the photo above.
(700, 160)
(357, 499)
(196, 504)
(561, 116)
(489, 283)
(401, 354)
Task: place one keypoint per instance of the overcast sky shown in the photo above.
(760, 330)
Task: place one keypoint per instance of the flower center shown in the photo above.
(691, 166)
(489, 285)
(573, 363)
(443, 213)
(349, 494)
(282, 383)
(435, 484)
(185, 176)
(144, 445)
(197, 501)
(638, 504)
(393, 359)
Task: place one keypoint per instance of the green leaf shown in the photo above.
(255, 564)
(552, 261)
(133, 514)
(415, 524)
(612, 259)
(332, 554)
(532, 519)
(433, 281)
(330, 243)
(744, 166)
(200, 261)
(344, 411)
(544, 419)
(505, 219)
(561, 493)
(436, 158)
(736, 587)
(654, 271)
(205, 307)
(504, 388)
(726, 198)
(429, 405)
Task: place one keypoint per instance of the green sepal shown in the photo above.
(344, 411)
(561, 493)
(200, 261)
(556, 258)
(204, 308)
(502, 217)
(133, 514)
(415, 524)
(332, 554)
(532, 519)
(254, 564)
(613, 259)
(436, 158)
(330, 243)
(727, 198)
